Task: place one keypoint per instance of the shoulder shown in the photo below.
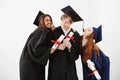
(103, 54)
(40, 29)
(57, 29)
(104, 57)
(74, 30)
(76, 34)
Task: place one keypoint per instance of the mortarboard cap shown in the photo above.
(69, 11)
(36, 21)
(97, 34)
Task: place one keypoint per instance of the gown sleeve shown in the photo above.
(102, 64)
(105, 66)
(37, 48)
(75, 48)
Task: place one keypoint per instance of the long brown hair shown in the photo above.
(41, 21)
(88, 48)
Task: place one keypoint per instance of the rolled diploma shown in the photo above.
(70, 35)
(59, 40)
(97, 75)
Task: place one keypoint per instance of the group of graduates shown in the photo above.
(38, 50)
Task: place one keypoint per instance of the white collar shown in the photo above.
(66, 31)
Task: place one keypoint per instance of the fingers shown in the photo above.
(52, 51)
(91, 65)
(67, 43)
(61, 47)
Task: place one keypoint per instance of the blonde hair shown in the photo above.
(64, 16)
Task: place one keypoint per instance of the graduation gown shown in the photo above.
(62, 63)
(35, 55)
(102, 64)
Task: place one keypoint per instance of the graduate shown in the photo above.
(62, 62)
(36, 51)
(99, 61)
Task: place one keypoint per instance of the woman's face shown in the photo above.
(87, 32)
(66, 23)
(47, 22)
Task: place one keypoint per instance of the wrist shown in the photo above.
(68, 46)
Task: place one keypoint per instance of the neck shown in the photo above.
(66, 30)
(84, 41)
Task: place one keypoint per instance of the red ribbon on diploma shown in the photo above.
(72, 38)
(90, 74)
(56, 41)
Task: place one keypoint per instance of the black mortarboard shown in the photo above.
(97, 34)
(36, 21)
(69, 11)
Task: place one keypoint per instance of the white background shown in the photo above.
(16, 24)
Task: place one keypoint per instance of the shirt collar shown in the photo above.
(66, 31)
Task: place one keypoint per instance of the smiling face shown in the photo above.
(66, 21)
(87, 32)
(47, 22)
(66, 24)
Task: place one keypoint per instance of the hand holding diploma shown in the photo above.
(61, 47)
(66, 41)
(94, 71)
(56, 43)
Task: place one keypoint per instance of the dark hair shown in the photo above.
(41, 20)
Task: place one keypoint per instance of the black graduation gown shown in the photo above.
(102, 64)
(34, 56)
(62, 63)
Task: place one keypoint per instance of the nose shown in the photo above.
(49, 22)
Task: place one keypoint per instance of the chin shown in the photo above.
(65, 29)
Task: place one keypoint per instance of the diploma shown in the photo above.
(94, 71)
(58, 41)
(70, 36)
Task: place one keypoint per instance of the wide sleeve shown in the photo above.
(37, 48)
(75, 48)
(105, 69)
